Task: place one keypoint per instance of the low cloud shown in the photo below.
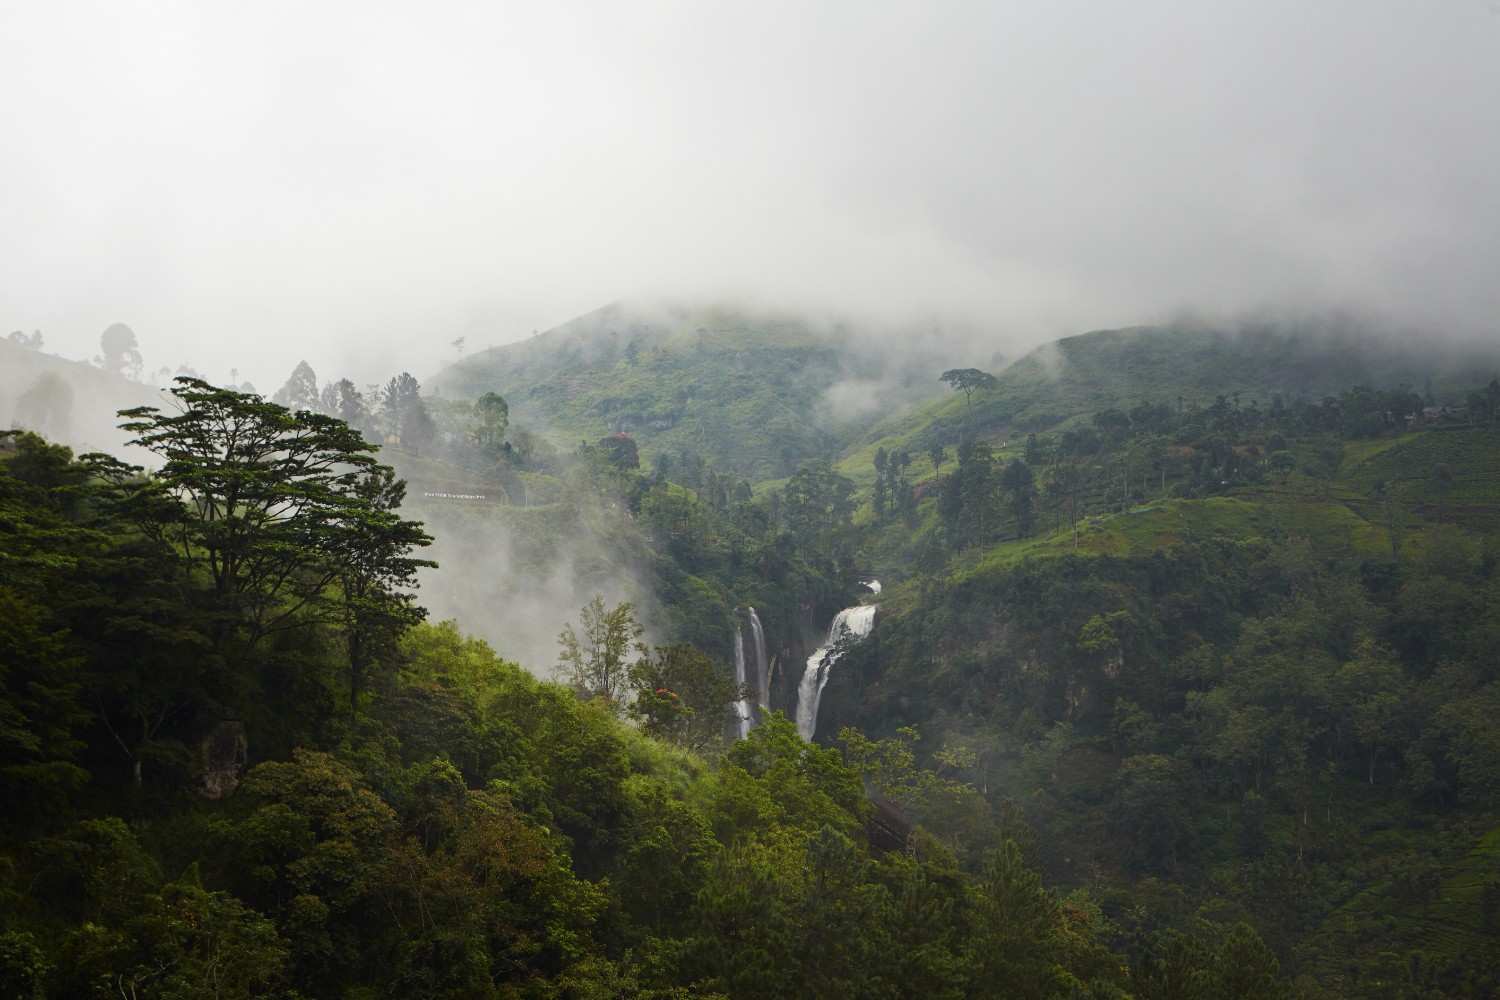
(360, 186)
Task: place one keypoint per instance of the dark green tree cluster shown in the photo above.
(985, 498)
(419, 817)
(1232, 719)
(1151, 451)
(892, 493)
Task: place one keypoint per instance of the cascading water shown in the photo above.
(762, 674)
(849, 626)
(874, 586)
(741, 705)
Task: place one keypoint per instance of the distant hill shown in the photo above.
(1078, 376)
(70, 402)
(754, 394)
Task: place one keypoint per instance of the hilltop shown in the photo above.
(753, 394)
(69, 401)
(1184, 366)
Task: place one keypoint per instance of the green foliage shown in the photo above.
(1246, 724)
(745, 392)
(491, 418)
(254, 497)
(682, 696)
(968, 381)
(597, 665)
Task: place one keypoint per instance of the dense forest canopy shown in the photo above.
(1014, 512)
(1174, 695)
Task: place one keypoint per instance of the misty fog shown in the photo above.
(362, 184)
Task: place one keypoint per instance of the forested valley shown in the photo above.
(1149, 665)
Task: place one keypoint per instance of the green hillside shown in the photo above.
(1182, 683)
(1179, 366)
(744, 391)
(1258, 682)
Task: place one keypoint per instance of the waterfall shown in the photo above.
(762, 672)
(874, 585)
(849, 626)
(741, 706)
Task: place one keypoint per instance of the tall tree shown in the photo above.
(968, 381)
(120, 353)
(817, 506)
(261, 499)
(683, 696)
(376, 572)
(348, 404)
(300, 391)
(1019, 481)
(491, 417)
(596, 663)
(404, 413)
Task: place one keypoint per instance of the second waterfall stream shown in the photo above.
(849, 626)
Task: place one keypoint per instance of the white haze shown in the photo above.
(362, 183)
(516, 587)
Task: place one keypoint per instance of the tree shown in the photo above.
(596, 664)
(21, 339)
(620, 451)
(968, 381)
(967, 496)
(880, 493)
(1283, 462)
(817, 505)
(42, 547)
(187, 941)
(1149, 809)
(682, 696)
(405, 415)
(120, 352)
(1018, 480)
(937, 455)
(259, 499)
(346, 402)
(377, 572)
(491, 417)
(1373, 693)
(300, 391)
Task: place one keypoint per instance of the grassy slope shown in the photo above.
(1078, 376)
(1344, 512)
(744, 391)
(1384, 921)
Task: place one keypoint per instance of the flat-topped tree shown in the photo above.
(274, 509)
(968, 381)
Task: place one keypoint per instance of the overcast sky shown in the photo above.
(360, 183)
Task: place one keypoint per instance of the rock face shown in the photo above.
(221, 759)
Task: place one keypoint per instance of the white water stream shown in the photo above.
(849, 626)
(741, 705)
